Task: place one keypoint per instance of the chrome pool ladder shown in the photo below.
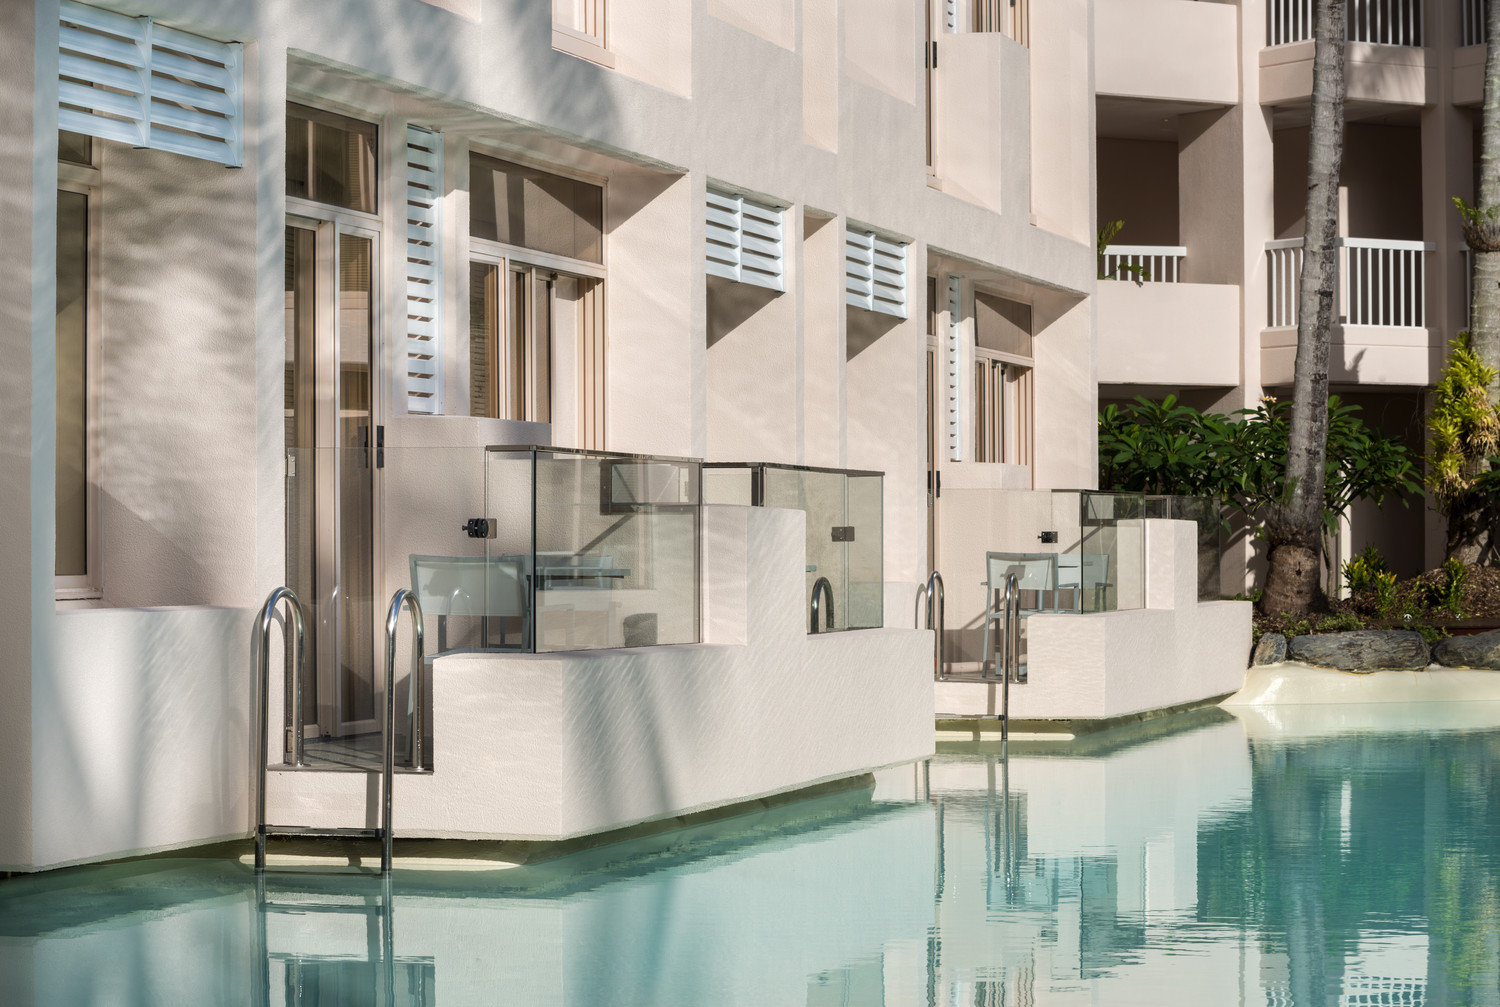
(292, 701)
(932, 591)
(1007, 664)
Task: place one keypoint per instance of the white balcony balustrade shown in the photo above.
(1380, 282)
(1378, 22)
(1472, 14)
(1153, 263)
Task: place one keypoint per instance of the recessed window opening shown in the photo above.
(536, 296)
(1002, 380)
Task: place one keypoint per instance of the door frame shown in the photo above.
(329, 223)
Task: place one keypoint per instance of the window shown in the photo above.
(331, 159)
(76, 547)
(579, 29)
(1002, 380)
(536, 299)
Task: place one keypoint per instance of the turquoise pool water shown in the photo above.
(1312, 856)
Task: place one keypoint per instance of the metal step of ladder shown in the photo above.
(292, 701)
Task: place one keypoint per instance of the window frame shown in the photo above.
(591, 46)
(87, 181)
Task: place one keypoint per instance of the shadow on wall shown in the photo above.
(731, 305)
(864, 328)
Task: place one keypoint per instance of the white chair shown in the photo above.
(1036, 572)
(1080, 572)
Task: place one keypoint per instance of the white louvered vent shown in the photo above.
(746, 241)
(955, 372)
(874, 272)
(424, 269)
(131, 80)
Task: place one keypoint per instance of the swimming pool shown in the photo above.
(1310, 855)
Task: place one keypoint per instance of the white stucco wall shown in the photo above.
(549, 746)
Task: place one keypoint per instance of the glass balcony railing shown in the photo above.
(1111, 568)
(589, 550)
(845, 531)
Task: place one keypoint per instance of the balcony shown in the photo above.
(1385, 62)
(1381, 336)
(1155, 329)
(1167, 50)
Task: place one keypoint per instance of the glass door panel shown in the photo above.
(356, 465)
(301, 442)
(331, 462)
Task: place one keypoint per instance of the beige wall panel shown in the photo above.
(1168, 49)
(820, 73)
(1211, 189)
(1168, 333)
(177, 440)
(650, 320)
(773, 20)
(822, 342)
(1061, 101)
(28, 171)
(753, 404)
(1066, 452)
(881, 40)
(972, 112)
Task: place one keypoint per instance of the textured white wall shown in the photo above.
(555, 745)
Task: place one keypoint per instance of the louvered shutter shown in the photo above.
(955, 372)
(746, 241)
(424, 191)
(874, 272)
(131, 80)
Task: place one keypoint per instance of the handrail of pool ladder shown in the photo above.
(823, 586)
(1008, 660)
(292, 700)
(408, 599)
(932, 592)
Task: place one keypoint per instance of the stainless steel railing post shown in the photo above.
(401, 598)
(293, 699)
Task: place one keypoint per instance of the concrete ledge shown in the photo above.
(1293, 684)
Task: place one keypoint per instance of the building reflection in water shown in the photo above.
(1309, 857)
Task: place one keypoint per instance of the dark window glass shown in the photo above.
(530, 208)
(1002, 324)
(330, 158)
(74, 148)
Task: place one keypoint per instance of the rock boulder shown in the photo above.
(1482, 650)
(1270, 650)
(1362, 650)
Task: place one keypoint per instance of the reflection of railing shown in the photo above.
(1156, 263)
(822, 591)
(1380, 282)
(1379, 22)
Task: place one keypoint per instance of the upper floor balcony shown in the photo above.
(1381, 335)
(1386, 61)
(1156, 329)
(1167, 50)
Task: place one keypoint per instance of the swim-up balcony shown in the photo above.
(604, 649)
(1119, 597)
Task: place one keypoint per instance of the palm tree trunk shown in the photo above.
(1294, 525)
(1484, 242)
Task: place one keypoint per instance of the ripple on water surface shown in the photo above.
(1311, 857)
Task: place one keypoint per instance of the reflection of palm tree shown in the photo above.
(1290, 802)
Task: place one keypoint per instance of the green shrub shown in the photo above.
(1360, 572)
(1449, 595)
(1340, 622)
(1432, 634)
